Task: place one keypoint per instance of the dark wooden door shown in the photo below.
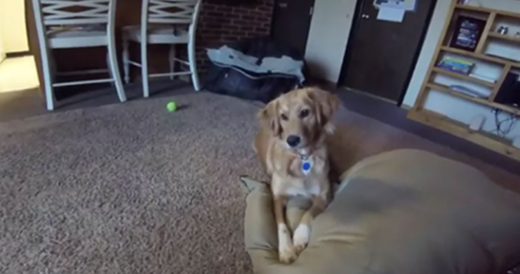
(291, 22)
(381, 55)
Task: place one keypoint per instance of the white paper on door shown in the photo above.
(393, 10)
(391, 14)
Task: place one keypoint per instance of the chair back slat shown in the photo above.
(171, 11)
(75, 12)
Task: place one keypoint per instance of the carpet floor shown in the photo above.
(130, 188)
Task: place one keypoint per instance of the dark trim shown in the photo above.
(308, 28)
(17, 54)
(347, 55)
(417, 53)
(273, 11)
(273, 25)
(353, 31)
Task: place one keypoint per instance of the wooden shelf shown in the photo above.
(486, 10)
(515, 39)
(480, 101)
(461, 130)
(480, 56)
(436, 120)
(463, 77)
(472, 8)
(448, 90)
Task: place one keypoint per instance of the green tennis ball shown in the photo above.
(171, 106)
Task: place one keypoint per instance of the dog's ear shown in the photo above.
(269, 117)
(326, 104)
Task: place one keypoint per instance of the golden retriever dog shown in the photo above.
(292, 147)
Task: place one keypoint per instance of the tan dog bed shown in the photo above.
(401, 212)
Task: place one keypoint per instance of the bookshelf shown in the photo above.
(502, 64)
(504, 37)
(463, 77)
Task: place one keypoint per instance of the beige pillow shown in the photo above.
(405, 211)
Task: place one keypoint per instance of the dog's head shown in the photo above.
(301, 117)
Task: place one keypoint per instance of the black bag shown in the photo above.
(262, 87)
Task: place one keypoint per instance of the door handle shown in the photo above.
(283, 5)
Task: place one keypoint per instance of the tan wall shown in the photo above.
(2, 52)
(13, 31)
(328, 36)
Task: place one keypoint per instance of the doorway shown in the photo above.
(19, 81)
(381, 55)
(291, 23)
(17, 68)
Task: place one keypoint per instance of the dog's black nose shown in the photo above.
(293, 140)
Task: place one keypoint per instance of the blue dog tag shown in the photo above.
(306, 166)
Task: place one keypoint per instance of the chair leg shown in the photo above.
(48, 77)
(114, 69)
(49, 89)
(126, 60)
(144, 69)
(110, 72)
(172, 61)
(193, 65)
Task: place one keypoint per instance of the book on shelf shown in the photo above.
(456, 65)
(483, 77)
(453, 69)
(470, 92)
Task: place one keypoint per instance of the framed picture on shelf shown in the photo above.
(468, 31)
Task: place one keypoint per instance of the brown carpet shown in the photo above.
(130, 188)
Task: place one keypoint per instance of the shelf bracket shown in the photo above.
(483, 39)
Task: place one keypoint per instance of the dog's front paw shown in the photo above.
(287, 254)
(301, 237)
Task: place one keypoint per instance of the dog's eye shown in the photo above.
(284, 117)
(304, 113)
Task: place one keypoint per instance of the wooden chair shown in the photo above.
(169, 22)
(62, 24)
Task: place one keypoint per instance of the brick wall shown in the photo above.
(220, 24)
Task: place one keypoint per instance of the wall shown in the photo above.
(328, 36)
(13, 31)
(221, 24)
(218, 24)
(330, 30)
(2, 52)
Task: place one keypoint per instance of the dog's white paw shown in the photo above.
(287, 255)
(301, 237)
(286, 251)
